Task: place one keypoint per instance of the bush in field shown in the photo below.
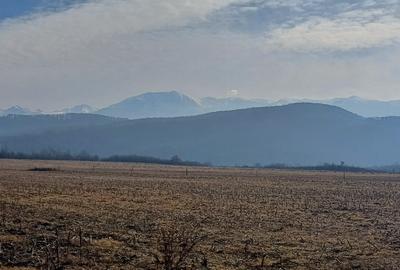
(175, 249)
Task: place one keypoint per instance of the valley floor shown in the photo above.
(83, 215)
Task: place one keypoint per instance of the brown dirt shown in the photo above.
(85, 215)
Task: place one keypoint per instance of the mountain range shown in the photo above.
(173, 104)
(295, 134)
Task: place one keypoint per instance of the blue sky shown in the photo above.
(17, 8)
(64, 52)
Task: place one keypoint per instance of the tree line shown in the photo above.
(52, 154)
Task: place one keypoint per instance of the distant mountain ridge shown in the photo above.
(83, 108)
(154, 104)
(211, 104)
(297, 134)
(17, 110)
(174, 104)
(166, 104)
(364, 107)
(367, 108)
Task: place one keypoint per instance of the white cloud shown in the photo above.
(347, 31)
(295, 4)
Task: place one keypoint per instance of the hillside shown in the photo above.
(297, 134)
(16, 125)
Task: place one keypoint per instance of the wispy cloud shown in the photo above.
(61, 35)
(357, 29)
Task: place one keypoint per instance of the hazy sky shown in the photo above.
(54, 54)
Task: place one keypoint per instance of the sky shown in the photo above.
(60, 53)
